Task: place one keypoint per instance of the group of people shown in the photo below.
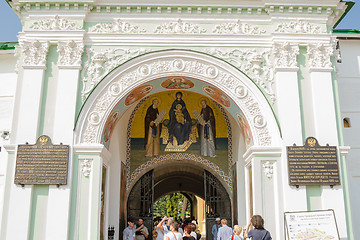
(169, 229)
(221, 231)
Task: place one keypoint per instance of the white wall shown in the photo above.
(8, 79)
(349, 89)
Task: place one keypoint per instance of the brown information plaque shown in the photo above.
(42, 163)
(313, 164)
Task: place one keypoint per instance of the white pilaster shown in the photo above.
(91, 160)
(324, 121)
(265, 186)
(25, 129)
(64, 118)
(289, 115)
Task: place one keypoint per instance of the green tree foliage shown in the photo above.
(170, 206)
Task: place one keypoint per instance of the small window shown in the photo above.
(347, 123)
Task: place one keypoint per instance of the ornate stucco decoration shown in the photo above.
(171, 66)
(118, 26)
(86, 166)
(256, 63)
(34, 52)
(320, 55)
(285, 55)
(237, 28)
(101, 62)
(70, 53)
(298, 27)
(57, 23)
(268, 168)
(179, 27)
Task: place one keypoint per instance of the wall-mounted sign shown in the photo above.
(311, 225)
(42, 163)
(313, 164)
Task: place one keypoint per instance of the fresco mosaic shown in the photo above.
(220, 163)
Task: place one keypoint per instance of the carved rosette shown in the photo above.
(179, 27)
(268, 168)
(34, 53)
(118, 26)
(237, 28)
(58, 23)
(320, 55)
(256, 63)
(86, 165)
(285, 55)
(298, 27)
(198, 68)
(70, 53)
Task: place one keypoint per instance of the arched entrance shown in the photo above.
(113, 99)
(185, 177)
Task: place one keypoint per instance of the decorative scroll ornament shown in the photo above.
(237, 28)
(58, 23)
(70, 53)
(268, 169)
(320, 55)
(34, 52)
(170, 66)
(179, 27)
(285, 55)
(100, 63)
(86, 167)
(298, 27)
(118, 26)
(256, 63)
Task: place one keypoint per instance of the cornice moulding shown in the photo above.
(232, 8)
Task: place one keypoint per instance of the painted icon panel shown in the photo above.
(179, 121)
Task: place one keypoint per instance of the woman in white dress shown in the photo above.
(173, 234)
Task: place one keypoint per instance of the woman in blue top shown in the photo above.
(259, 233)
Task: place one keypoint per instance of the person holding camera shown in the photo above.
(141, 233)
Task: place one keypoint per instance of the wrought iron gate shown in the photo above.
(217, 202)
(141, 200)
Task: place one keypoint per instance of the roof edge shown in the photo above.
(8, 45)
(349, 5)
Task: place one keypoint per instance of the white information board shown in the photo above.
(314, 225)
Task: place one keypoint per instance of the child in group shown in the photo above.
(237, 231)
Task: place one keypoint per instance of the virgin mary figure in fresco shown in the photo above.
(180, 121)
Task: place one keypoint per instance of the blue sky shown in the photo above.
(10, 24)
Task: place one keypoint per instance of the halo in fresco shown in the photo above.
(245, 128)
(110, 124)
(138, 93)
(177, 83)
(217, 95)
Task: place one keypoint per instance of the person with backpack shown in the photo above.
(259, 233)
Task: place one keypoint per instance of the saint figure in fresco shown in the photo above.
(110, 124)
(180, 121)
(152, 130)
(207, 131)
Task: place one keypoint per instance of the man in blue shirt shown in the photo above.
(224, 232)
(215, 228)
(129, 232)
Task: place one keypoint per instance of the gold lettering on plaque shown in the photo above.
(42, 163)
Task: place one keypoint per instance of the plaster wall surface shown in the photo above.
(349, 87)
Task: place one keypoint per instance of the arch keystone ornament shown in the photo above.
(145, 68)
